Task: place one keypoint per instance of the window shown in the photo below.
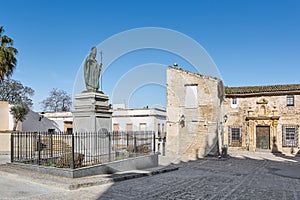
(69, 131)
(289, 135)
(191, 96)
(235, 136)
(290, 100)
(51, 131)
(143, 127)
(116, 128)
(129, 128)
(234, 102)
(158, 130)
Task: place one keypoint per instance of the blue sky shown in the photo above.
(253, 42)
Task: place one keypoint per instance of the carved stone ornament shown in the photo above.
(262, 101)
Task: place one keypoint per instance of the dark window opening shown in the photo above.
(290, 101)
(51, 131)
(234, 101)
(69, 131)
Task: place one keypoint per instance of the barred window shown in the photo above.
(289, 135)
(290, 101)
(235, 136)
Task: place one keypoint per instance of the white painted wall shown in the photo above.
(149, 116)
(11, 120)
(6, 118)
(34, 122)
(60, 118)
(136, 117)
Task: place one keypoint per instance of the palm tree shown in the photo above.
(8, 53)
(19, 112)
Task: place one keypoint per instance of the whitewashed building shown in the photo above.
(64, 120)
(39, 122)
(48, 122)
(142, 119)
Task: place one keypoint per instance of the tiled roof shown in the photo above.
(262, 89)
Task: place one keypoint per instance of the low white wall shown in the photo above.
(137, 163)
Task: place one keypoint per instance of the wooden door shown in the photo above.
(263, 137)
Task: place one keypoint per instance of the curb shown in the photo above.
(121, 177)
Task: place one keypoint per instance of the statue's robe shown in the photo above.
(92, 74)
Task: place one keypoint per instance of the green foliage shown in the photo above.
(58, 100)
(15, 93)
(49, 164)
(8, 53)
(19, 112)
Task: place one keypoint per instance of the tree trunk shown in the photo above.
(15, 124)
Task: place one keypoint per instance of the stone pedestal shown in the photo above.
(92, 113)
(91, 125)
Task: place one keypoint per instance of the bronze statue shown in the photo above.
(92, 71)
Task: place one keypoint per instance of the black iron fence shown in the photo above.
(79, 149)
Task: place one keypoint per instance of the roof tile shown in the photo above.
(261, 89)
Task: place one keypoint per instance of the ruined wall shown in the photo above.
(194, 110)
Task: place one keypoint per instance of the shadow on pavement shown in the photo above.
(266, 176)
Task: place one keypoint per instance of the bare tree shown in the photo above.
(57, 101)
(15, 93)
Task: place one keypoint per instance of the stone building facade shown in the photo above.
(194, 107)
(203, 116)
(263, 117)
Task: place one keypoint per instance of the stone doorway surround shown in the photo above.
(253, 122)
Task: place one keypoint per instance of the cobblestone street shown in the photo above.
(234, 178)
(239, 177)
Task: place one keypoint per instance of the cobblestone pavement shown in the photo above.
(241, 177)
(234, 178)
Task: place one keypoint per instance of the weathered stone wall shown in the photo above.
(195, 125)
(192, 130)
(261, 110)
